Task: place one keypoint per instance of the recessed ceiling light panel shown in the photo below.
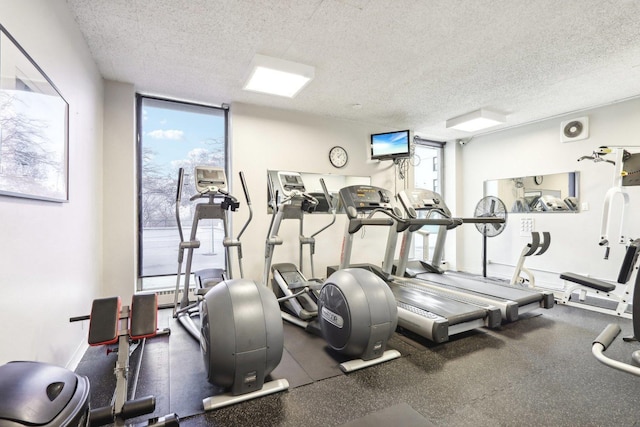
(277, 76)
(476, 120)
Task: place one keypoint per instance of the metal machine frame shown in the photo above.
(211, 184)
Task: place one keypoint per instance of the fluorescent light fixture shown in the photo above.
(278, 76)
(476, 120)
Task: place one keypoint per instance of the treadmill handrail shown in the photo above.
(356, 224)
(419, 222)
(483, 220)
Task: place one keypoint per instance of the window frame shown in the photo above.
(440, 172)
(139, 160)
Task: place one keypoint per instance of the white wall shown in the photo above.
(268, 139)
(120, 191)
(536, 150)
(50, 256)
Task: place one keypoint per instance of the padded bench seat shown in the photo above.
(589, 282)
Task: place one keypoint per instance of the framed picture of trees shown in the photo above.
(34, 122)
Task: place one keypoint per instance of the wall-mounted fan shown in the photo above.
(494, 212)
(574, 129)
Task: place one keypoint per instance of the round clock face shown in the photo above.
(338, 156)
(538, 179)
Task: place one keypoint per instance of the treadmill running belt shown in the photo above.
(455, 312)
(520, 296)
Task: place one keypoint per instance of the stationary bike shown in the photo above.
(240, 331)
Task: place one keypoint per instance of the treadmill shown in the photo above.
(426, 312)
(512, 301)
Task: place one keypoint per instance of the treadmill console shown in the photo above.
(364, 198)
(418, 199)
(209, 178)
(289, 181)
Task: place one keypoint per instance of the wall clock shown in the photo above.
(338, 156)
(538, 179)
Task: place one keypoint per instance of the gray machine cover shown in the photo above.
(357, 312)
(35, 393)
(241, 335)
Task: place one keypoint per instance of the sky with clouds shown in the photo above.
(172, 133)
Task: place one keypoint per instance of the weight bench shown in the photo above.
(111, 323)
(585, 285)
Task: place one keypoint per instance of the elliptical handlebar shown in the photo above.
(312, 200)
(248, 199)
(245, 190)
(178, 200)
(332, 209)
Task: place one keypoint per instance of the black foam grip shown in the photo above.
(137, 407)
(101, 416)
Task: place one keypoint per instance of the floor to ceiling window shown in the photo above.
(174, 135)
(428, 174)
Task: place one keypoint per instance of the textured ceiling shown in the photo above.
(408, 63)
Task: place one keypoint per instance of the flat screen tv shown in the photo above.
(390, 145)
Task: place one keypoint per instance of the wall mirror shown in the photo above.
(555, 193)
(333, 182)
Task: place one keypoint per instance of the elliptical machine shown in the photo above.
(353, 310)
(240, 331)
(211, 184)
(298, 295)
